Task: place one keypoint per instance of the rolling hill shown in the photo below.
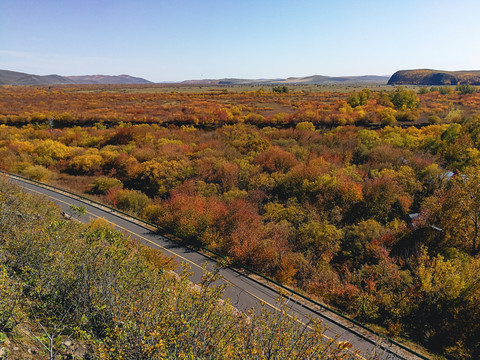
(307, 80)
(107, 79)
(18, 78)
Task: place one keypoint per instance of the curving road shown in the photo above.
(244, 292)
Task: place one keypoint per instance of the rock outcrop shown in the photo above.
(434, 77)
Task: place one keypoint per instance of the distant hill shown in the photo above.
(434, 77)
(308, 80)
(18, 78)
(107, 79)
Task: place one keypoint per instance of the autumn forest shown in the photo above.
(366, 200)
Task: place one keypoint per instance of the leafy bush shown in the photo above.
(129, 200)
(305, 125)
(103, 184)
(409, 116)
(86, 164)
(423, 90)
(38, 173)
(10, 291)
(387, 116)
(445, 90)
(465, 89)
(280, 89)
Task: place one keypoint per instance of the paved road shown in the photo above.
(244, 292)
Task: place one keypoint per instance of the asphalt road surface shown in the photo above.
(244, 292)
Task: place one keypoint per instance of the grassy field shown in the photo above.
(186, 89)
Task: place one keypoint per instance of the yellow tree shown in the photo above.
(456, 210)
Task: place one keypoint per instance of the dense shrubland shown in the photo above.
(107, 106)
(64, 282)
(379, 222)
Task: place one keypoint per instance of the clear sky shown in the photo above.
(172, 40)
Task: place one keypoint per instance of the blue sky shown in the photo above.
(200, 39)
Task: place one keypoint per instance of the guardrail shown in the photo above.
(165, 231)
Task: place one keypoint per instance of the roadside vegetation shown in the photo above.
(70, 290)
(368, 200)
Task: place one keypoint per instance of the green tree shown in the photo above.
(78, 211)
(355, 244)
(321, 239)
(445, 90)
(404, 99)
(465, 89)
(358, 98)
(280, 89)
(423, 90)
